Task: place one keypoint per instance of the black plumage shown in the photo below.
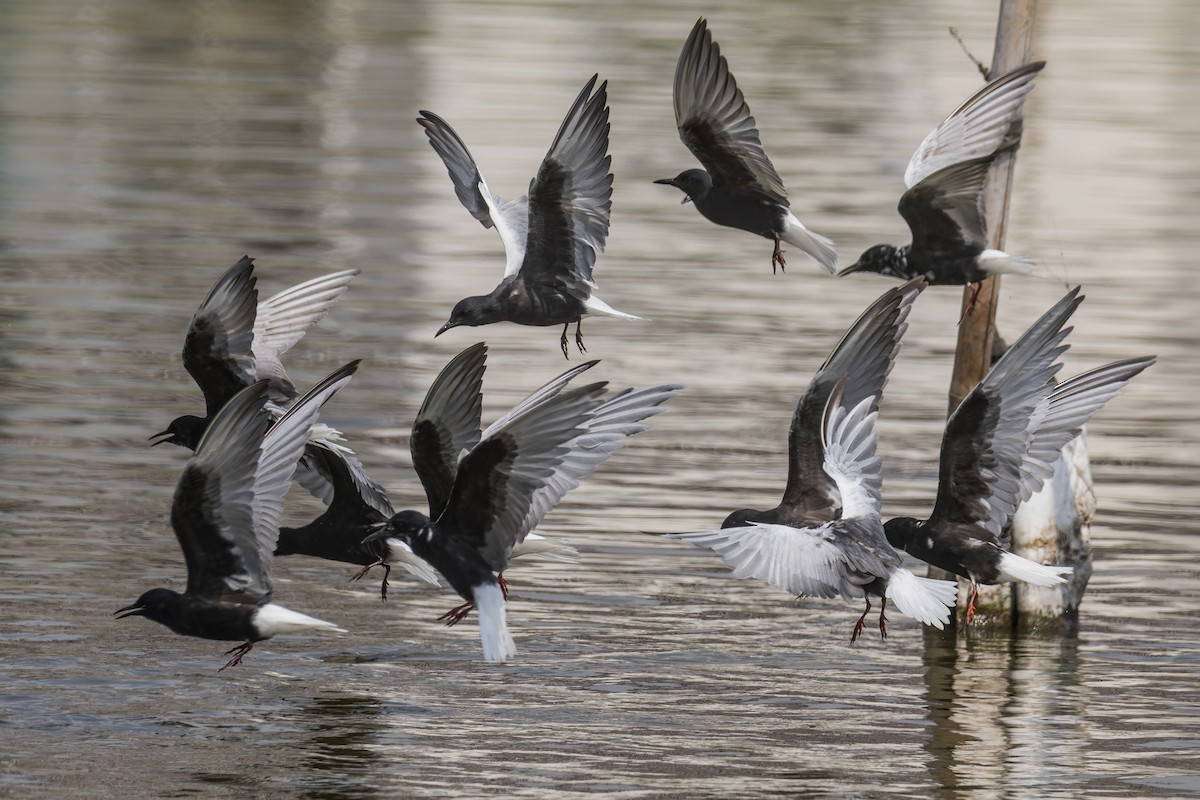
(551, 236)
(999, 447)
(226, 513)
(739, 186)
(945, 178)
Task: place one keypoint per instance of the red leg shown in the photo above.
(971, 604)
(563, 341)
(237, 654)
(456, 614)
(858, 626)
(976, 288)
(387, 571)
(883, 619)
(579, 335)
(777, 257)
(503, 585)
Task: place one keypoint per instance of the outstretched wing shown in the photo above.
(862, 360)
(988, 436)
(510, 218)
(570, 199)
(281, 450)
(850, 460)
(218, 348)
(715, 123)
(988, 122)
(283, 319)
(448, 424)
(945, 210)
(213, 509)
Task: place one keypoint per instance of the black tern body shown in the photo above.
(226, 514)
(488, 490)
(825, 538)
(359, 506)
(552, 235)
(233, 341)
(739, 186)
(999, 447)
(943, 204)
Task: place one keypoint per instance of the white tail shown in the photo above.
(539, 547)
(498, 644)
(273, 619)
(817, 246)
(594, 303)
(998, 262)
(924, 599)
(1015, 568)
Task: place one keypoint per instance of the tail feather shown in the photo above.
(594, 303)
(498, 644)
(998, 262)
(1015, 568)
(924, 599)
(819, 248)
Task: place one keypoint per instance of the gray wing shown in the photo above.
(213, 509)
(987, 122)
(283, 319)
(281, 450)
(862, 360)
(510, 218)
(218, 348)
(988, 436)
(1062, 416)
(570, 199)
(526, 462)
(827, 560)
(715, 123)
(335, 472)
(448, 424)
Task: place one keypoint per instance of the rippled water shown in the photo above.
(145, 146)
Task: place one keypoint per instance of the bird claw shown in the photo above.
(777, 258)
(456, 614)
(563, 344)
(503, 585)
(862, 621)
(976, 288)
(387, 571)
(237, 653)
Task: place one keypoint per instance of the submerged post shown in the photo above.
(1052, 527)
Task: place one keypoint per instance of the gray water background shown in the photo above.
(145, 146)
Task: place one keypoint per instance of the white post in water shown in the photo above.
(1052, 526)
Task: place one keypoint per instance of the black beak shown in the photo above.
(135, 610)
(857, 266)
(445, 328)
(380, 530)
(167, 436)
(667, 181)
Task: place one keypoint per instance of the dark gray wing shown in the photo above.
(284, 318)
(1061, 417)
(715, 123)
(510, 218)
(989, 121)
(213, 509)
(862, 360)
(350, 490)
(945, 211)
(218, 348)
(989, 434)
(448, 424)
(570, 199)
(527, 461)
(281, 450)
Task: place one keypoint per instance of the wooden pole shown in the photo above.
(977, 332)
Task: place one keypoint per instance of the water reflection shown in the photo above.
(1008, 712)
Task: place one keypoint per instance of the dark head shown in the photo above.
(901, 530)
(156, 604)
(742, 518)
(184, 431)
(694, 183)
(406, 525)
(882, 258)
(472, 311)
